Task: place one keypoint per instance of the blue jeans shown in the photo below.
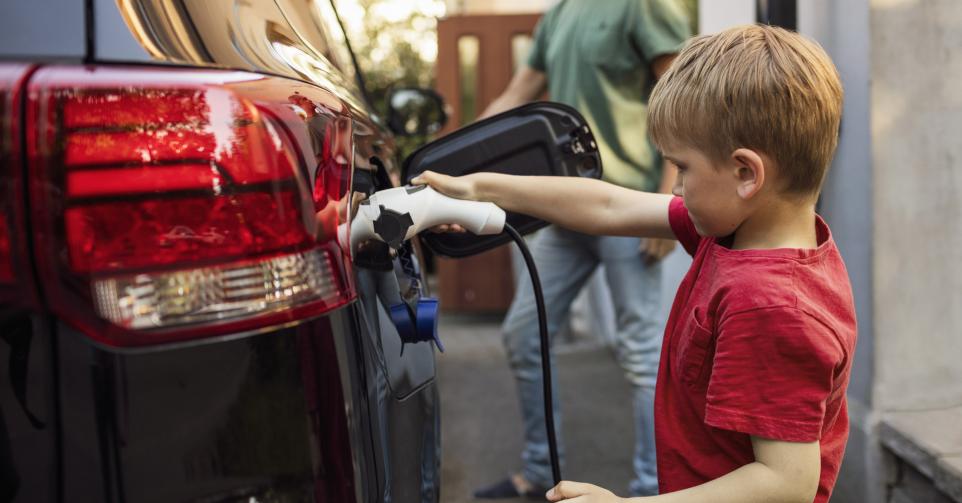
(565, 261)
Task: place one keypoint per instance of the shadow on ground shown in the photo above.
(481, 425)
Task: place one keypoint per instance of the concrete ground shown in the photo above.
(481, 425)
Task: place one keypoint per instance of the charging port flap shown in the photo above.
(537, 139)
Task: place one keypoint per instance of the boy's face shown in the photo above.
(709, 189)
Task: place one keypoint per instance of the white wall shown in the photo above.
(716, 15)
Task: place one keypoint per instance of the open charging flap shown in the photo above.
(537, 139)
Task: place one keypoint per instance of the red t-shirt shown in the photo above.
(759, 342)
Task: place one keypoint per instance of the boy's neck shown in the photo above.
(781, 224)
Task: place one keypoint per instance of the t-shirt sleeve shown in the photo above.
(537, 58)
(682, 225)
(659, 27)
(773, 372)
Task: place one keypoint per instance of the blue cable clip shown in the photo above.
(417, 325)
(421, 323)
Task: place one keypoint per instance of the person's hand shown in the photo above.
(578, 492)
(656, 249)
(460, 187)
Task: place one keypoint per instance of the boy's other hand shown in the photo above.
(580, 493)
(460, 187)
(656, 249)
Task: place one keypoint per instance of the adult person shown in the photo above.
(602, 58)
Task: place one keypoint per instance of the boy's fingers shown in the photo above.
(425, 178)
(576, 499)
(567, 489)
(448, 228)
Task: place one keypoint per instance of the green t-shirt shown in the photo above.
(597, 56)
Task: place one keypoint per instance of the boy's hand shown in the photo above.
(461, 187)
(578, 492)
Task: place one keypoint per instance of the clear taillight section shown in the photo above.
(176, 204)
(146, 301)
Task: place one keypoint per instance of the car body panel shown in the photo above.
(260, 417)
(29, 448)
(254, 36)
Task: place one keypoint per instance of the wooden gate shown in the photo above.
(477, 55)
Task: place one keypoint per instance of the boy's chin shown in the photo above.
(708, 231)
(699, 226)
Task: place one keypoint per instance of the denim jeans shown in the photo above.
(565, 261)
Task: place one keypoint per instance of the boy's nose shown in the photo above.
(677, 190)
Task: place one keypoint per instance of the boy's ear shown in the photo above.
(750, 171)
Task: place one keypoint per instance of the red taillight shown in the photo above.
(130, 235)
(176, 204)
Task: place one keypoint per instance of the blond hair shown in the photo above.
(757, 87)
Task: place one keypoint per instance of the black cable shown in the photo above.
(545, 352)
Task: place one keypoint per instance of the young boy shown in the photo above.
(750, 399)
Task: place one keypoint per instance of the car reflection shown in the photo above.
(332, 145)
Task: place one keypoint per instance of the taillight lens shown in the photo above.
(176, 204)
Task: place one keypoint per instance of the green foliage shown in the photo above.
(388, 56)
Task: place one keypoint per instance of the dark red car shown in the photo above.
(178, 321)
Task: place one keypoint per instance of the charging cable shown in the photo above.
(545, 352)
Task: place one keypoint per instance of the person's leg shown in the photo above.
(564, 262)
(636, 293)
(644, 462)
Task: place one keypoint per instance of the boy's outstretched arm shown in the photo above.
(783, 472)
(580, 204)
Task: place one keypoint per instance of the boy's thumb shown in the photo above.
(422, 178)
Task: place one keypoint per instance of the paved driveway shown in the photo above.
(481, 425)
